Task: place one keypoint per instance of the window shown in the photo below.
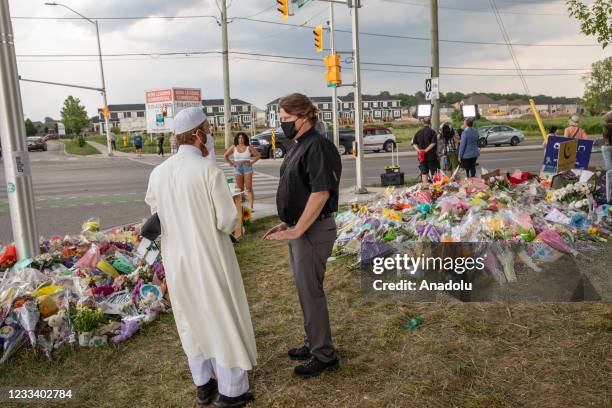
(326, 106)
(397, 113)
(233, 108)
(345, 105)
(127, 114)
(377, 114)
(209, 109)
(221, 120)
(222, 109)
(375, 104)
(140, 114)
(113, 115)
(366, 105)
(246, 118)
(327, 115)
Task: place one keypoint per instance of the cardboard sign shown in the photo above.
(583, 154)
(566, 159)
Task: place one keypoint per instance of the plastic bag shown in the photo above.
(27, 316)
(90, 259)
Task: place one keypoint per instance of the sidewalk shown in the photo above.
(103, 149)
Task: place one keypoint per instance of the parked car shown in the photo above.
(263, 142)
(37, 143)
(375, 139)
(498, 135)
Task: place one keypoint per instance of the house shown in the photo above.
(127, 117)
(241, 112)
(376, 108)
(132, 118)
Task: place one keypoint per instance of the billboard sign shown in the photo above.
(163, 104)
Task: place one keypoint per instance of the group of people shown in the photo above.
(192, 199)
(454, 148)
(449, 148)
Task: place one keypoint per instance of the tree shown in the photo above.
(596, 20)
(74, 115)
(30, 128)
(598, 89)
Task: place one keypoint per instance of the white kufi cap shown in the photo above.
(187, 119)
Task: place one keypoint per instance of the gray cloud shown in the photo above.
(259, 81)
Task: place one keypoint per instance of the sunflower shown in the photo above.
(247, 213)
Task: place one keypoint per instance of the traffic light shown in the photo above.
(105, 112)
(332, 62)
(318, 38)
(284, 8)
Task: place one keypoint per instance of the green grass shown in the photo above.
(72, 147)
(593, 125)
(463, 355)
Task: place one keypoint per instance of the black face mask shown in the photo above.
(289, 129)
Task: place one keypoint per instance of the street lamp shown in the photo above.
(108, 138)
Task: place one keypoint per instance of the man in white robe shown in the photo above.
(197, 214)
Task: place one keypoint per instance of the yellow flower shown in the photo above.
(247, 213)
(549, 195)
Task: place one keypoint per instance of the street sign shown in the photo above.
(583, 154)
(567, 155)
(302, 3)
(432, 89)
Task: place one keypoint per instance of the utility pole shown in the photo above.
(336, 137)
(227, 114)
(435, 64)
(17, 170)
(108, 137)
(360, 186)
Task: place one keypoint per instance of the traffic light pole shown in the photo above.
(108, 136)
(17, 169)
(334, 89)
(227, 101)
(360, 184)
(435, 63)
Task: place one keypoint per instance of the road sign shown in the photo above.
(432, 89)
(567, 155)
(302, 3)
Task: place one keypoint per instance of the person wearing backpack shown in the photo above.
(574, 131)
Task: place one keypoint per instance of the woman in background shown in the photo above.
(243, 156)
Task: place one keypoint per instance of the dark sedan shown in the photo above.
(37, 143)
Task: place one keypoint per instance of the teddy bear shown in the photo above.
(55, 322)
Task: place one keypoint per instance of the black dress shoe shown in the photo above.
(299, 353)
(314, 367)
(233, 402)
(206, 392)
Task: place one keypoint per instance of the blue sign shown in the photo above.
(159, 118)
(583, 155)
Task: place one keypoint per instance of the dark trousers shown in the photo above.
(308, 255)
(470, 166)
(160, 149)
(113, 145)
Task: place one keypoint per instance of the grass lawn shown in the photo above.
(464, 355)
(72, 147)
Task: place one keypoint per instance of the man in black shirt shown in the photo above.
(306, 201)
(424, 142)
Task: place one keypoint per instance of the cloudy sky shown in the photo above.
(259, 79)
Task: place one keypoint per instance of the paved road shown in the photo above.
(69, 190)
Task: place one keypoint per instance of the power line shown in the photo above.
(470, 10)
(502, 28)
(406, 37)
(191, 54)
